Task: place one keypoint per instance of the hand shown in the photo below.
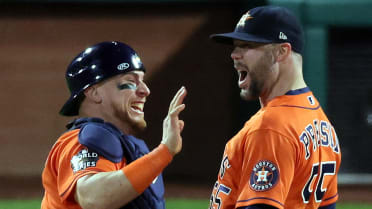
(172, 125)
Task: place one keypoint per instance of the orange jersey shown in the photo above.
(287, 156)
(60, 175)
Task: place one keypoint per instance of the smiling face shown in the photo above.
(123, 99)
(254, 63)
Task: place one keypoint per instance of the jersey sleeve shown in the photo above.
(268, 169)
(75, 162)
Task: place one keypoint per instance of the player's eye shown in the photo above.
(123, 86)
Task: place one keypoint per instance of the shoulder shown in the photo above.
(66, 142)
(68, 136)
(100, 138)
(266, 119)
(266, 124)
(65, 147)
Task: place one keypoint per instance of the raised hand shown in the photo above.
(172, 125)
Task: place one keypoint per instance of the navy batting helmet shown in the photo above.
(95, 64)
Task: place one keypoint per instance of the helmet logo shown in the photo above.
(123, 66)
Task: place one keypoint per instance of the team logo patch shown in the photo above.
(84, 159)
(264, 176)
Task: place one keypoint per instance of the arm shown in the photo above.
(104, 190)
(117, 188)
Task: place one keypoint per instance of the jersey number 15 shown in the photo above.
(326, 168)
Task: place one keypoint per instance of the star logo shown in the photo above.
(263, 175)
(243, 19)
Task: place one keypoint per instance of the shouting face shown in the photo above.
(254, 63)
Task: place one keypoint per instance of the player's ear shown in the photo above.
(93, 94)
(283, 51)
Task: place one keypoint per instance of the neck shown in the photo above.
(128, 130)
(86, 111)
(289, 78)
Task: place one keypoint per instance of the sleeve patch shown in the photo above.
(84, 159)
(264, 176)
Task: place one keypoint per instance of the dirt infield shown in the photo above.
(22, 188)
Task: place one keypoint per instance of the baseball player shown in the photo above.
(287, 155)
(97, 162)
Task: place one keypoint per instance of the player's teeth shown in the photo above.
(138, 106)
(242, 75)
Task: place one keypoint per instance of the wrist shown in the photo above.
(144, 170)
(167, 148)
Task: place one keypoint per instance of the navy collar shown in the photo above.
(79, 121)
(298, 91)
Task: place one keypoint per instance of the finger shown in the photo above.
(177, 96)
(181, 96)
(171, 106)
(176, 111)
(175, 99)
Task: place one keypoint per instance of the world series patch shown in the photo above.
(264, 176)
(83, 160)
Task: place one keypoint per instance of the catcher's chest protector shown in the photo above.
(116, 147)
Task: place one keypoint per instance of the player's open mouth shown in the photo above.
(243, 78)
(137, 107)
(242, 75)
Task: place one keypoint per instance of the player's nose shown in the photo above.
(143, 90)
(236, 54)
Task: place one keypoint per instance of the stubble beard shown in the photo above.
(253, 91)
(256, 74)
(136, 126)
(255, 88)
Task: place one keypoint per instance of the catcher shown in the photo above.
(97, 162)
